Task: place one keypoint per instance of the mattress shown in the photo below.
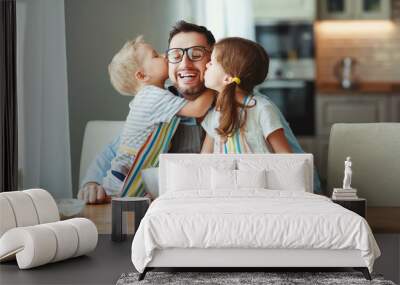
(250, 219)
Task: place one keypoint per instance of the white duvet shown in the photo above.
(253, 218)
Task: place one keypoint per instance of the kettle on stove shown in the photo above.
(345, 72)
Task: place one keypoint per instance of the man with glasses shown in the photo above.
(189, 51)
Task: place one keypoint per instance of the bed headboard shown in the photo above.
(238, 159)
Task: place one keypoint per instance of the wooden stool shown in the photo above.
(139, 205)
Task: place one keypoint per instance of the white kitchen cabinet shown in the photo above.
(355, 9)
(359, 108)
(272, 10)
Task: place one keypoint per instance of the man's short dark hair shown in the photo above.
(185, 27)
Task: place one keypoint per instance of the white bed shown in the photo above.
(201, 220)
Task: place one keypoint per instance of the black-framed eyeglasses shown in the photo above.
(195, 53)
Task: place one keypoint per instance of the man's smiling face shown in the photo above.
(187, 75)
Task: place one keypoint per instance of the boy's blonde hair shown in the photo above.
(123, 67)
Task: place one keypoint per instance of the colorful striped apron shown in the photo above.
(237, 142)
(147, 156)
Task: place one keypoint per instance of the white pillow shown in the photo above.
(251, 178)
(293, 179)
(282, 174)
(150, 180)
(183, 178)
(223, 179)
(237, 179)
(188, 175)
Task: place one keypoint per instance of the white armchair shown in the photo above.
(375, 151)
(97, 135)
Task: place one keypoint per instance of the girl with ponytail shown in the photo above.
(241, 122)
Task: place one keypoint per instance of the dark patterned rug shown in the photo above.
(230, 278)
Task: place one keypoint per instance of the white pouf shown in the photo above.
(87, 233)
(7, 216)
(40, 244)
(26, 208)
(68, 239)
(46, 207)
(31, 230)
(22, 207)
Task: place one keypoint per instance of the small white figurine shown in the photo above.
(347, 173)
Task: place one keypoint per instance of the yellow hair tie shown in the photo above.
(236, 80)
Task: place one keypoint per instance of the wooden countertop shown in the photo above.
(365, 87)
(380, 219)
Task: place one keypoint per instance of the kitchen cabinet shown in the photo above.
(355, 9)
(272, 10)
(354, 108)
(395, 108)
(336, 9)
(349, 108)
(331, 108)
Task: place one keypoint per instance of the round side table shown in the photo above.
(119, 205)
